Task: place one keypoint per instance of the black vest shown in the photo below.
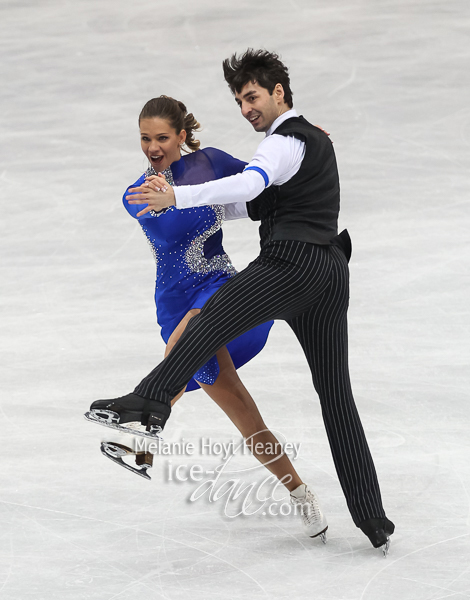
(306, 207)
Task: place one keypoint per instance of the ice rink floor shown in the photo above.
(389, 79)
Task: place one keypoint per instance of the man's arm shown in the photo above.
(242, 187)
(276, 160)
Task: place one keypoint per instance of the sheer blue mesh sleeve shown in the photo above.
(224, 164)
(205, 165)
(133, 209)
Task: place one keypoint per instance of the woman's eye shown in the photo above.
(163, 138)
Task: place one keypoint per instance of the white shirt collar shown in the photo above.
(287, 115)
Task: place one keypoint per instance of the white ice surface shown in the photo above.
(390, 81)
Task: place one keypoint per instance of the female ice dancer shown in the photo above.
(191, 266)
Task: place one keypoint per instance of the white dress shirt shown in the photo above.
(278, 156)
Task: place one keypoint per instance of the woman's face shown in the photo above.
(160, 143)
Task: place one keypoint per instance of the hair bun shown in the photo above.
(182, 107)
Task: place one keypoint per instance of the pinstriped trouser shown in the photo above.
(308, 286)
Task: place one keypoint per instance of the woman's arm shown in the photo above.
(140, 195)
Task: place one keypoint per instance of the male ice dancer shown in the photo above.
(301, 275)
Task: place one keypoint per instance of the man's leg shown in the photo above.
(322, 332)
(287, 277)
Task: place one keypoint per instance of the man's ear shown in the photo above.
(278, 92)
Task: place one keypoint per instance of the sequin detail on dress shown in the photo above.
(194, 255)
(152, 244)
(209, 372)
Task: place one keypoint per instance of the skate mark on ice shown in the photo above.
(10, 569)
(132, 529)
(436, 588)
(345, 84)
(96, 555)
(223, 545)
(209, 554)
(391, 562)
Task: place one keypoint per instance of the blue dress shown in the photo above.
(191, 262)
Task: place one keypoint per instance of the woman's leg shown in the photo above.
(231, 395)
(174, 337)
(233, 398)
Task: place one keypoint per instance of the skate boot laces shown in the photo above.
(313, 519)
(311, 512)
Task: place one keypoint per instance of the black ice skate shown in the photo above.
(378, 531)
(116, 452)
(130, 409)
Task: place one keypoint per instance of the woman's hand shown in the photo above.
(324, 130)
(155, 192)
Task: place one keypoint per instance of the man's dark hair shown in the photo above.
(257, 66)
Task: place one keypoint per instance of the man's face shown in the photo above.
(259, 106)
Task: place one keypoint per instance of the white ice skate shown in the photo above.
(116, 452)
(313, 519)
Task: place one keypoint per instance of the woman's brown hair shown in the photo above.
(176, 114)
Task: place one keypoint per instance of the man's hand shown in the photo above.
(155, 192)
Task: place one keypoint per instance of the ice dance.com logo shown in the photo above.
(228, 482)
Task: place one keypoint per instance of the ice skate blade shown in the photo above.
(322, 536)
(102, 416)
(115, 452)
(385, 548)
(111, 420)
